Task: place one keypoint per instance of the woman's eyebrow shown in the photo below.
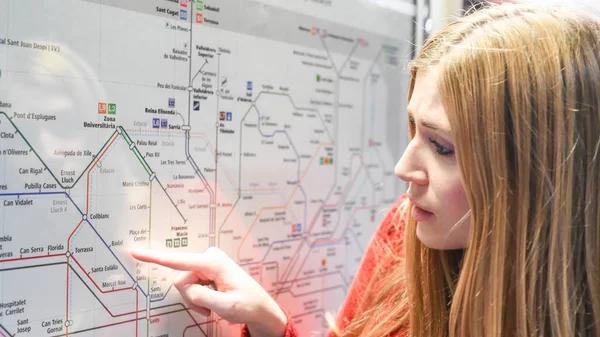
(435, 126)
(430, 124)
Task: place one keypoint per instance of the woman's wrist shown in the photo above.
(273, 324)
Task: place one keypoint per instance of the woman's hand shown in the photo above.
(237, 297)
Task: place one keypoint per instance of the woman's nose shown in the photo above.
(411, 167)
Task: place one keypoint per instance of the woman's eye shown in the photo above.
(439, 149)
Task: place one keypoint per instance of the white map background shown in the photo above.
(269, 129)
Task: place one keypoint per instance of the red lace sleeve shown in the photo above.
(290, 328)
(390, 232)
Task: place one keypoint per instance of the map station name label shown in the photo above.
(46, 47)
(72, 153)
(18, 202)
(31, 170)
(139, 234)
(140, 183)
(5, 255)
(34, 116)
(12, 307)
(40, 186)
(167, 11)
(84, 250)
(54, 325)
(141, 142)
(171, 86)
(109, 267)
(31, 250)
(174, 162)
(23, 326)
(160, 111)
(138, 207)
(56, 247)
(113, 284)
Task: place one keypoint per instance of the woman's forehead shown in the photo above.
(425, 103)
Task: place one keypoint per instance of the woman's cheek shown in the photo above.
(457, 196)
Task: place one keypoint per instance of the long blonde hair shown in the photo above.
(521, 88)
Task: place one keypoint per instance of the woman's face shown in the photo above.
(429, 166)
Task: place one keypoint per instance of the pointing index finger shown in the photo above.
(178, 261)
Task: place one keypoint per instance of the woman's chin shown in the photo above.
(434, 238)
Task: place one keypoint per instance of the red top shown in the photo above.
(390, 233)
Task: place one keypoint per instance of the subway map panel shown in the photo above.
(269, 130)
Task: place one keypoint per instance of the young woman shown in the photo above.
(499, 232)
